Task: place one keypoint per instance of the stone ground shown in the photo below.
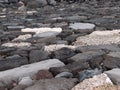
(63, 43)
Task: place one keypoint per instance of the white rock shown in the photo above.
(55, 47)
(18, 45)
(114, 75)
(99, 38)
(31, 12)
(89, 84)
(23, 37)
(6, 77)
(43, 32)
(82, 26)
(27, 81)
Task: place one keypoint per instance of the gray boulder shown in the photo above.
(63, 53)
(12, 62)
(38, 55)
(93, 57)
(114, 75)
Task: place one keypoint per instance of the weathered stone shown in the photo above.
(73, 67)
(14, 28)
(8, 76)
(5, 51)
(61, 42)
(83, 26)
(36, 3)
(46, 40)
(76, 18)
(72, 38)
(63, 53)
(43, 32)
(23, 53)
(51, 2)
(51, 48)
(26, 81)
(17, 45)
(54, 84)
(44, 74)
(64, 75)
(114, 75)
(112, 60)
(38, 55)
(99, 38)
(12, 62)
(88, 74)
(65, 33)
(87, 56)
(106, 48)
(19, 87)
(22, 37)
(90, 84)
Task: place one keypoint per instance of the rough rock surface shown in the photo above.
(89, 84)
(7, 77)
(99, 38)
(54, 84)
(83, 34)
(43, 32)
(114, 75)
(111, 60)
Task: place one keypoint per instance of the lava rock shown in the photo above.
(44, 74)
(12, 62)
(63, 53)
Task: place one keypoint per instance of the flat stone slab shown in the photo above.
(77, 26)
(54, 47)
(112, 60)
(99, 38)
(114, 75)
(90, 84)
(22, 37)
(87, 56)
(43, 32)
(15, 27)
(18, 45)
(6, 77)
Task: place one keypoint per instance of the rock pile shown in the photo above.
(60, 46)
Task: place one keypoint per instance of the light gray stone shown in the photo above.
(22, 37)
(114, 75)
(26, 81)
(18, 45)
(43, 32)
(99, 38)
(64, 75)
(84, 26)
(54, 47)
(7, 77)
(90, 84)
